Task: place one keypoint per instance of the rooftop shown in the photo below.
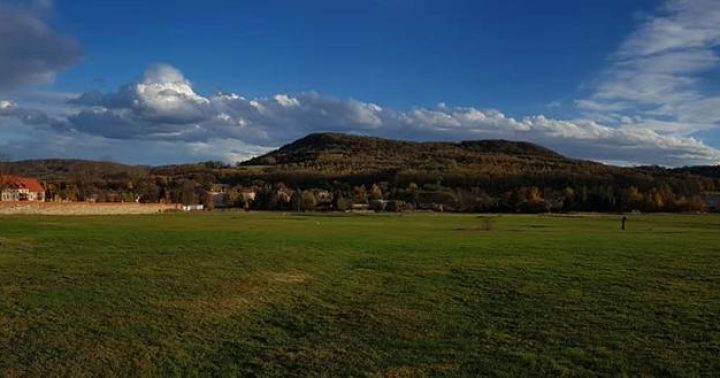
(18, 182)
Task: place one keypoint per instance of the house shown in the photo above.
(16, 188)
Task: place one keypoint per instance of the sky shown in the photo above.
(159, 82)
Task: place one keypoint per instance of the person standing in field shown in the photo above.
(622, 222)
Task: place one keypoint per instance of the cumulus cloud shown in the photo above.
(163, 109)
(164, 95)
(656, 73)
(30, 51)
(160, 105)
(161, 119)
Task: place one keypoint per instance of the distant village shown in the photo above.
(27, 189)
(15, 188)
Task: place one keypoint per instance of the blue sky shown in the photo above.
(515, 55)
(628, 82)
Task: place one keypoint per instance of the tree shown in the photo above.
(376, 192)
(164, 196)
(360, 194)
(233, 197)
(296, 200)
(632, 198)
(533, 195)
(209, 200)
(187, 194)
(340, 203)
(655, 201)
(696, 203)
(265, 199)
(309, 201)
(395, 206)
(568, 199)
(534, 202)
(377, 205)
(413, 193)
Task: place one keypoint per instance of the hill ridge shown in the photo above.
(319, 147)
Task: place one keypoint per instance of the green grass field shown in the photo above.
(411, 295)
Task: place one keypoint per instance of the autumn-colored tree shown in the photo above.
(696, 203)
(654, 201)
(309, 200)
(413, 192)
(340, 203)
(568, 198)
(632, 198)
(534, 196)
(360, 194)
(376, 192)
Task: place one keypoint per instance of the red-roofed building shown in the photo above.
(16, 188)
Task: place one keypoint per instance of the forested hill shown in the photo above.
(326, 151)
(49, 169)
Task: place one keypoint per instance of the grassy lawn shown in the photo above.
(410, 295)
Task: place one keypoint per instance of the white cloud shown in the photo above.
(165, 90)
(681, 25)
(657, 72)
(162, 111)
(286, 101)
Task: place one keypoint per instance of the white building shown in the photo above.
(16, 188)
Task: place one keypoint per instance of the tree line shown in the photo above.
(459, 190)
